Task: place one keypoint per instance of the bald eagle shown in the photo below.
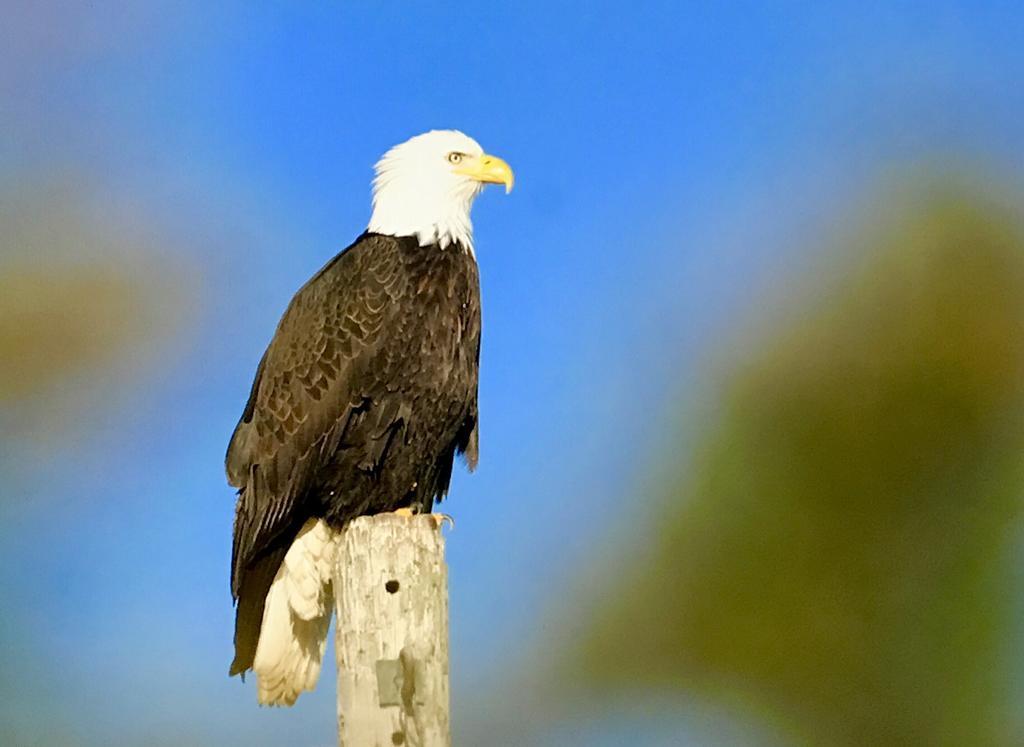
(360, 403)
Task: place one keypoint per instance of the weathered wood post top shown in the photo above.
(391, 596)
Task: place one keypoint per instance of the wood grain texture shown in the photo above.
(391, 596)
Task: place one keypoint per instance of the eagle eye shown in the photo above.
(455, 157)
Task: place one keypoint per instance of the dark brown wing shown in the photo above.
(306, 390)
(374, 363)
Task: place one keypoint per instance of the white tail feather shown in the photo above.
(296, 617)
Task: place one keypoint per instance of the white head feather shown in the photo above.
(419, 192)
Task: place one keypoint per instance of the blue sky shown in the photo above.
(671, 160)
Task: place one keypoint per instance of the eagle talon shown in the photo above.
(441, 519)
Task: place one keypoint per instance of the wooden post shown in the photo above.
(391, 596)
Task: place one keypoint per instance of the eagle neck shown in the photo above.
(433, 217)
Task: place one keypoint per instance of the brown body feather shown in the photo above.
(359, 405)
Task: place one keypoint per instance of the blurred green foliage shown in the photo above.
(836, 555)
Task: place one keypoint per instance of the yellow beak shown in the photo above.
(488, 169)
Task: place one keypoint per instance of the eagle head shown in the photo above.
(425, 187)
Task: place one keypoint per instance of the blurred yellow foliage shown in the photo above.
(87, 291)
(836, 555)
(56, 320)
